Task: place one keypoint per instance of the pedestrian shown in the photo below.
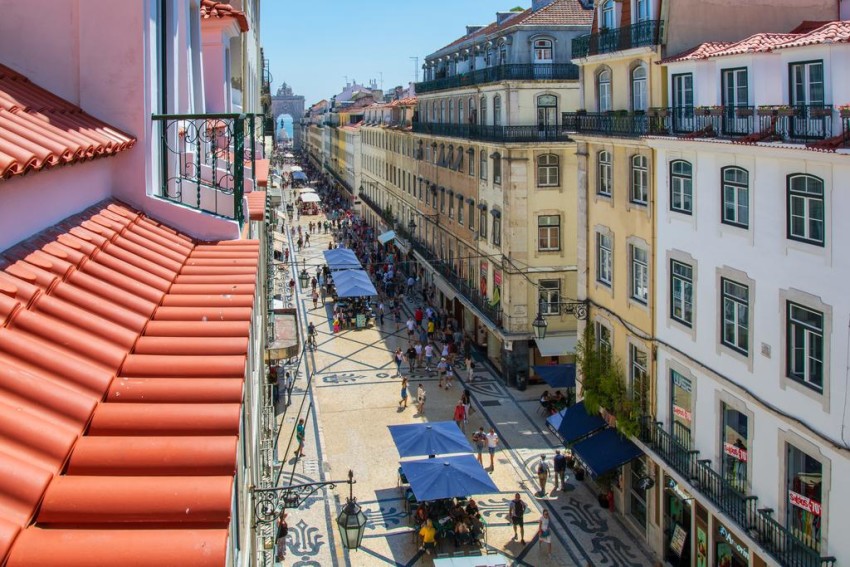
(300, 432)
(307, 240)
(381, 314)
(411, 358)
(479, 439)
(420, 399)
(411, 326)
(287, 387)
(300, 243)
(403, 402)
(315, 296)
(429, 356)
(492, 442)
(542, 474)
(560, 462)
(543, 532)
(470, 369)
(398, 358)
(466, 400)
(442, 366)
(516, 513)
(429, 537)
(280, 536)
(460, 416)
(418, 348)
(450, 375)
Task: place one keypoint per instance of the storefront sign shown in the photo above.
(682, 382)
(677, 542)
(735, 452)
(482, 282)
(804, 502)
(682, 413)
(727, 536)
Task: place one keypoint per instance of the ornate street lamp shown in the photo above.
(351, 520)
(539, 326)
(411, 225)
(304, 278)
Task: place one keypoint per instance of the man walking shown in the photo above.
(492, 442)
(479, 438)
(516, 512)
(411, 358)
(299, 436)
(560, 470)
(420, 400)
(542, 474)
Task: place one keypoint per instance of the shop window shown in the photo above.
(804, 487)
(735, 445)
(681, 408)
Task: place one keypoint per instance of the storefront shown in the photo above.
(804, 486)
(677, 524)
(638, 487)
(728, 549)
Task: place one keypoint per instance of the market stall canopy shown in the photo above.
(605, 451)
(311, 198)
(436, 438)
(447, 477)
(299, 176)
(574, 423)
(386, 237)
(353, 283)
(558, 375)
(342, 259)
(557, 346)
(303, 190)
(343, 277)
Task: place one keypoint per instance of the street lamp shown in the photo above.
(304, 278)
(351, 520)
(578, 309)
(411, 225)
(539, 326)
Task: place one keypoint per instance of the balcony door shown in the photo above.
(644, 10)
(807, 93)
(547, 115)
(736, 95)
(683, 102)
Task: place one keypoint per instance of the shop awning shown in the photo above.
(574, 423)
(386, 237)
(557, 346)
(303, 190)
(342, 259)
(557, 375)
(299, 176)
(353, 283)
(444, 287)
(310, 198)
(605, 451)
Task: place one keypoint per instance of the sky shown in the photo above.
(314, 45)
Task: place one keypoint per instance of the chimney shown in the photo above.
(472, 29)
(537, 4)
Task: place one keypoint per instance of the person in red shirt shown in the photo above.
(460, 416)
(418, 315)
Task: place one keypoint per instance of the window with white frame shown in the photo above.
(806, 209)
(682, 292)
(548, 233)
(639, 379)
(603, 90)
(482, 165)
(681, 187)
(497, 110)
(473, 116)
(549, 297)
(607, 19)
(736, 197)
(639, 90)
(604, 174)
(543, 51)
(451, 109)
(640, 274)
(548, 170)
(460, 117)
(805, 345)
(604, 258)
(483, 111)
(804, 480)
(497, 168)
(640, 180)
(736, 315)
(451, 200)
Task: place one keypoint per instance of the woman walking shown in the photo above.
(403, 402)
(398, 358)
(460, 416)
(544, 532)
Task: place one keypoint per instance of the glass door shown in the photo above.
(683, 102)
(807, 99)
(735, 97)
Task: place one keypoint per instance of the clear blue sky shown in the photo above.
(314, 44)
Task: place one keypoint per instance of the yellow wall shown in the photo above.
(621, 87)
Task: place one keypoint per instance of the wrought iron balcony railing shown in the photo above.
(536, 133)
(796, 124)
(783, 545)
(514, 72)
(203, 159)
(641, 34)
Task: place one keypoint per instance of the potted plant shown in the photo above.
(743, 111)
(767, 110)
(821, 111)
(785, 110)
(844, 110)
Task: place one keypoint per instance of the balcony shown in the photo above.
(641, 34)
(503, 134)
(784, 546)
(520, 72)
(203, 159)
(810, 125)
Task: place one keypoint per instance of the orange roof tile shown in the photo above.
(39, 130)
(830, 32)
(262, 172)
(256, 205)
(123, 346)
(212, 9)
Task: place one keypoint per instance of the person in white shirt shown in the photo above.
(492, 442)
(418, 348)
(429, 356)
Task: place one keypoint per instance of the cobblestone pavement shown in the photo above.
(351, 399)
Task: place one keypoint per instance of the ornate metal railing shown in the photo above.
(531, 133)
(641, 34)
(514, 72)
(783, 545)
(203, 158)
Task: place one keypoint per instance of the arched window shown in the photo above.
(459, 159)
(604, 174)
(460, 117)
(548, 171)
(442, 112)
(543, 51)
(503, 53)
(639, 91)
(451, 112)
(736, 196)
(607, 16)
(806, 209)
(450, 157)
(470, 160)
(603, 90)
(640, 180)
(482, 165)
(441, 161)
(483, 111)
(497, 168)
(473, 116)
(681, 187)
(497, 110)
(547, 111)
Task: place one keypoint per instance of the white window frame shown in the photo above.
(604, 258)
(548, 232)
(681, 188)
(640, 274)
(548, 170)
(549, 297)
(639, 193)
(682, 288)
(604, 174)
(735, 315)
(735, 192)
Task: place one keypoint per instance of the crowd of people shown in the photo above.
(454, 519)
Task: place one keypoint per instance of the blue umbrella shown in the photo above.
(447, 477)
(437, 438)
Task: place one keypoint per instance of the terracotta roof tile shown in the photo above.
(807, 33)
(211, 9)
(123, 346)
(39, 130)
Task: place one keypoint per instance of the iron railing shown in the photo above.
(641, 34)
(513, 72)
(759, 524)
(203, 158)
(806, 124)
(504, 134)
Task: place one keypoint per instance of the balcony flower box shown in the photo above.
(767, 111)
(658, 111)
(786, 111)
(743, 112)
(844, 111)
(710, 110)
(821, 111)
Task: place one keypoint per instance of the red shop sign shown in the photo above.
(497, 277)
(804, 502)
(735, 452)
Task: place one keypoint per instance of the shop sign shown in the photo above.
(735, 452)
(804, 502)
(682, 413)
(727, 536)
(677, 542)
(497, 277)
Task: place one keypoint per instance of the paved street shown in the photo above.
(353, 397)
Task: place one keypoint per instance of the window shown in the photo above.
(460, 117)
(804, 484)
(482, 222)
(640, 274)
(805, 209)
(442, 111)
(483, 109)
(604, 248)
(442, 199)
(451, 206)
(471, 161)
(734, 455)
(497, 110)
(736, 197)
(683, 90)
(640, 180)
(549, 297)
(603, 337)
(736, 315)
(643, 10)
(735, 87)
(497, 228)
(472, 113)
(482, 165)
(682, 292)
(548, 233)
(682, 408)
(548, 171)
(639, 93)
(607, 19)
(459, 160)
(639, 379)
(681, 187)
(460, 210)
(604, 177)
(547, 111)
(543, 51)
(807, 87)
(451, 106)
(497, 169)
(603, 90)
(472, 216)
(805, 345)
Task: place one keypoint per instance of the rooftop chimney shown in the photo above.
(537, 4)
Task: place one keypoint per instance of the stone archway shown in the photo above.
(284, 102)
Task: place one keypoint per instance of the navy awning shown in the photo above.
(558, 375)
(605, 451)
(574, 423)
